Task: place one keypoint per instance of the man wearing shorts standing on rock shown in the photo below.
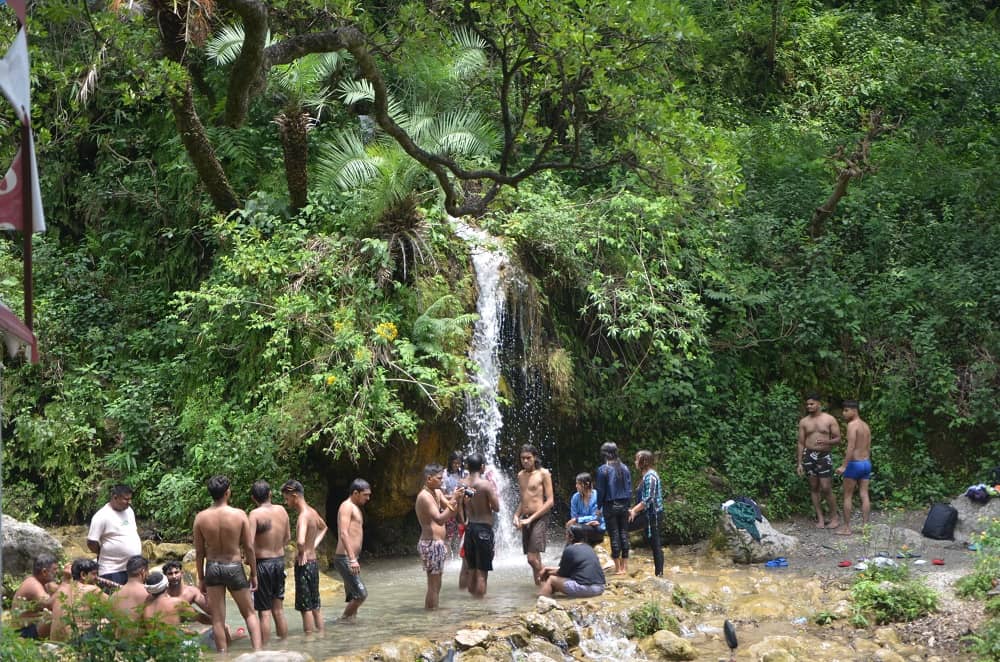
(433, 511)
(271, 532)
(857, 466)
(309, 531)
(536, 502)
(220, 533)
(350, 534)
(480, 506)
(818, 433)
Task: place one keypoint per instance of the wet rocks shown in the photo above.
(22, 542)
(665, 645)
(274, 656)
(468, 639)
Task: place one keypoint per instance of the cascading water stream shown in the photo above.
(482, 419)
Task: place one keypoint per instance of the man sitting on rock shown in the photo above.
(579, 574)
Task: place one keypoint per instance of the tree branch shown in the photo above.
(249, 72)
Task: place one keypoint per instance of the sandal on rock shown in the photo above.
(937, 561)
(845, 564)
(780, 562)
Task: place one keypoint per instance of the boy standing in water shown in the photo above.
(271, 532)
(350, 533)
(479, 546)
(433, 511)
(309, 531)
(536, 502)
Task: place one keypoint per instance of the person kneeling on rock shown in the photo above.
(579, 574)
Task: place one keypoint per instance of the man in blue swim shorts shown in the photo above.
(857, 466)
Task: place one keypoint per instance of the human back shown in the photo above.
(859, 432)
(271, 530)
(221, 528)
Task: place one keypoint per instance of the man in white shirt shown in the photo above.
(113, 535)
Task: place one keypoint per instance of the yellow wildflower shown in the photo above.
(387, 331)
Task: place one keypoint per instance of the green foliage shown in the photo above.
(121, 637)
(885, 598)
(16, 649)
(650, 618)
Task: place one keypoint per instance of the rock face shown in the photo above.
(743, 548)
(22, 542)
(973, 517)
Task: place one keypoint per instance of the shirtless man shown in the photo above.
(161, 605)
(34, 597)
(818, 433)
(433, 511)
(479, 508)
(857, 466)
(176, 588)
(271, 532)
(133, 594)
(536, 502)
(309, 531)
(70, 597)
(220, 532)
(350, 533)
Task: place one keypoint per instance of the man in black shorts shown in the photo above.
(271, 533)
(818, 433)
(479, 504)
(350, 534)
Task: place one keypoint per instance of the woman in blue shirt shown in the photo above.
(614, 496)
(584, 513)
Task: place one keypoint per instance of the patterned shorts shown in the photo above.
(432, 554)
(818, 463)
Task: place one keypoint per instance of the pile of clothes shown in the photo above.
(981, 493)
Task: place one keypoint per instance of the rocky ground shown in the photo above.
(820, 551)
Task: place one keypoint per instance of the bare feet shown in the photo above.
(820, 525)
(834, 523)
(843, 531)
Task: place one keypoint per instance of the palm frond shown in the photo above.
(346, 163)
(463, 133)
(420, 120)
(471, 56)
(355, 90)
(226, 45)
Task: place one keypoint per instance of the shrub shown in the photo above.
(890, 602)
(650, 618)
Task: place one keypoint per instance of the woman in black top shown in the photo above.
(614, 496)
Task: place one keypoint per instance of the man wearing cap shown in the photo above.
(857, 466)
(818, 433)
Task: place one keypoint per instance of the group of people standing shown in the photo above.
(818, 433)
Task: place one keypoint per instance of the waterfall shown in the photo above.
(482, 420)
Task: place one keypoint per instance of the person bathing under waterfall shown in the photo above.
(530, 518)
(481, 502)
(433, 512)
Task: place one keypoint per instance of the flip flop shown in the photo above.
(845, 564)
(937, 561)
(780, 562)
(907, 555)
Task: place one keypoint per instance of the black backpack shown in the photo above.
(940, 522)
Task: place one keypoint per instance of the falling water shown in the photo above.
(482, 419)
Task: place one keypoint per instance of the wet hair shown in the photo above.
(121, 490)
(359, 485)
(645, 459)
(475, 462)
(260, 491)
(293, 486)
(455, 455)
(577, 534)
(136, 564)
(217, 486)
(171, 565)
(42, 562)
(585, 478)
(530, 448)
(609, 450)
(813, 396)
(82, 567)
(432, 469)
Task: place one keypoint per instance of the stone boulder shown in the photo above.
(274, 656)
(893, 539)
(164, 551)
(742, 548)
(973, 517)
(555, 626)
(469, 639)
(665, 645)
(22, 542)
(406, 649)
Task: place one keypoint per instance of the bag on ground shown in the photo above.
(940, 522)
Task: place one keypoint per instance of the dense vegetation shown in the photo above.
(723, 205)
